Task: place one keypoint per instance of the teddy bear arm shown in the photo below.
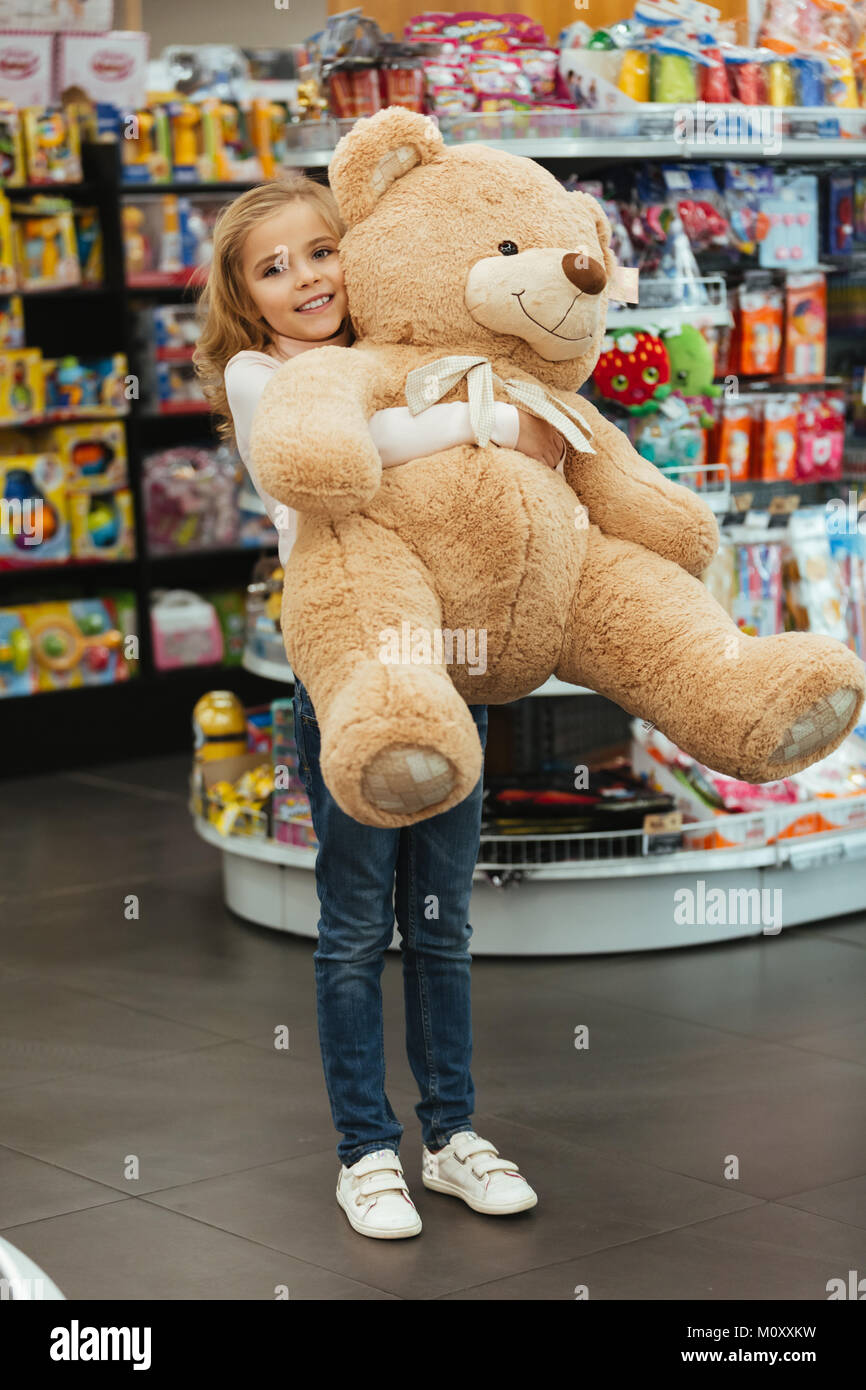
(310, 441)
(628, 497)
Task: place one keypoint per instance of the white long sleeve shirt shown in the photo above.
(398, 435)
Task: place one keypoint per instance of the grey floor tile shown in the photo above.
(137, 1251)
(765, 1252)
(184, 1116)
(31, 1190)
(792, 1119)
(841, 1201)
(49, 1031)
(847, 1042)
(586, 1201)
(772, 987)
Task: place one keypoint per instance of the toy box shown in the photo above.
(229, 605)
(178, 389)
(234, 794)
(21, 388)
(168, 240)
(45, 247)
(88, 240)
(8, 268)
(12, 171)
(186, 630)
(111, 68)
(77, 643)
(34, 523)
(145, 145)
(85, 15)
(93, 455)
(75, 386)
(806, 327)
(102, 525)
(52, 144)
(26, 68)
(11, 322)
(17, 676)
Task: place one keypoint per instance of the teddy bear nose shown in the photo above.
(584, 273)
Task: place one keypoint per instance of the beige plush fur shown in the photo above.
(589, 576)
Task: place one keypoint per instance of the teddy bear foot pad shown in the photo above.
(818, 727)
(405, 780)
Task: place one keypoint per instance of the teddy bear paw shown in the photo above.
(818, 726)
(406, 780)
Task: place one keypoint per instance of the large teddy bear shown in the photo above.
(482, 258)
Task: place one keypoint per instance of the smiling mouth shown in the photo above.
(584, 338)
(313, 306)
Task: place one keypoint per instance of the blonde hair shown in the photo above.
(230, 320)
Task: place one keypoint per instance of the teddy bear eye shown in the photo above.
(508, 248)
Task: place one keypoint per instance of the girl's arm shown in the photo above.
(398, 435)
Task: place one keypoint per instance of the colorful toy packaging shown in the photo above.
(8, 270)
(46, 249)
(80, 642)
(22, 392)
(34, 524)
(757, 603)
(52, 145)
(758, 331)
(102, 525)
(812, 594)
(806, 327)
(93, 455)
(186, 630)
(12, 172)
(190, 499)
(733, 439)
(778, 460)
(11, 322)
(78, 386)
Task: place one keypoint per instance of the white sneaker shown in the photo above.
(375, 1197)
(470, 1167)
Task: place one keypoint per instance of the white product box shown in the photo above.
(26, 68)
(109, 67)
(87, 15)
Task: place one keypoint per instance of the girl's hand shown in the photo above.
(540, 440)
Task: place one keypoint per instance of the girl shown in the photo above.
(275, 289)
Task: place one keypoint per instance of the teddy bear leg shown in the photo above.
(398, 743)
(652, 638)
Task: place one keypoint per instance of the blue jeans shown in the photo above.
(365, 876)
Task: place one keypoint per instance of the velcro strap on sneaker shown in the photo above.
(473, 1146)
(376, 1163)
(382, 1182)
(492, 1165)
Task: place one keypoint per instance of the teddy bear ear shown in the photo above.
(602, 226)
(376, 152)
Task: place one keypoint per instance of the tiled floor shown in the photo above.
(152, 1039)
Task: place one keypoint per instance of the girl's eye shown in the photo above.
(326, 251)
(277, 267)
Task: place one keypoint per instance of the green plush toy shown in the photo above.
(692, 366)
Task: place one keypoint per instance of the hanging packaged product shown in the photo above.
(779, 438)
(806, 327)
(812, 593)
(759, 330)
(747, 188)
(757, 603)
(734, 438)
(791, 227)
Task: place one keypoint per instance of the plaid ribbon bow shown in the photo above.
(427, 385)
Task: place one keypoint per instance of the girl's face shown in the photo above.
(291, 268)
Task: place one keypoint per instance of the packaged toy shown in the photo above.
(88, 238)
(145, 146)
(757, 604)
(45, 246)
(219, 727)
(185, 628)
(103, 525)
(79, 642)
(51, 145)
(12, 172)
(634, 371)
(759, 330)
(734, 437)
(85, 386)
(22, 396)
(8, 268)
(791, 238)
(812, 595)
(805, 327)
(17, 676)
(34, 525)
(11, 322)
(190, 499)
(779, 438)
(93, 455)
